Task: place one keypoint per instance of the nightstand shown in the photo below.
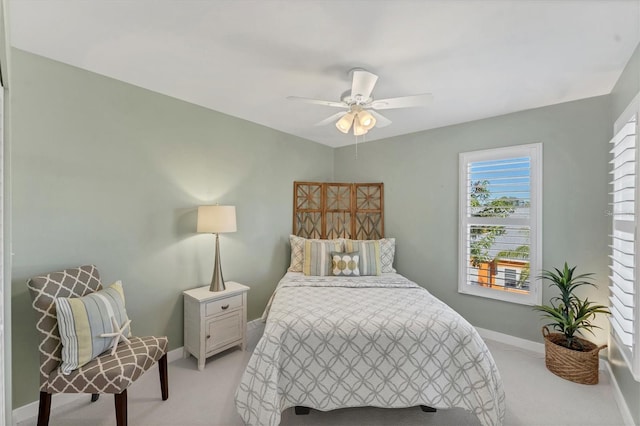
(214, 321)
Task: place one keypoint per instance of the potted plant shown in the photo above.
(566, 355)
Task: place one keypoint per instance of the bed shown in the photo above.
(377, 339)
(382, 341)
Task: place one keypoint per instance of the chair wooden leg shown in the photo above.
(164, 377)
(121, 408)
(94, 397)
(44, 410)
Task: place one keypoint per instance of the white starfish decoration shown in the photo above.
(118, 334)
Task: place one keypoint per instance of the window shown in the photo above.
(500, 223)
(510, 277)
(623, 281)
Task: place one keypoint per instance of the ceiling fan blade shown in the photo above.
(331, 119)
(363, 83)
(381, 120)
(403, 101)
(318, 102)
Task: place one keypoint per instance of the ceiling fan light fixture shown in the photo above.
(366, 120)
(358, 130)
(362, 114)
(344, 124)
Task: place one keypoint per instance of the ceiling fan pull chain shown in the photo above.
(356, 146)
(364, 138)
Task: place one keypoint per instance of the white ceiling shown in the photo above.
(244, 57)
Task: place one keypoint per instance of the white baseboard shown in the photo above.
(30, 410)
(174, 354)
(511, 340)
(627, 418)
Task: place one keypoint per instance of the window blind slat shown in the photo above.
(625, 298)
(625, 311)
(627, 130)
(626, 260)
(626, 338)
(625, 272)
(624, 247)
(624, 169)
(625, 325)
(621, 153)
(622, 284)
(625, 194)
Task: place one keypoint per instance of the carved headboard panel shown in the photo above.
(338, 210)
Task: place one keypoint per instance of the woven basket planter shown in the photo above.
(576, 366)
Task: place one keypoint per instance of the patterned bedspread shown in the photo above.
(382, 341)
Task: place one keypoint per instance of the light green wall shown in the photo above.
(420, 174)
(111, 174)
(627, 87)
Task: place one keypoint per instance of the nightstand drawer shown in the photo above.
(223, 305)
(223, 330)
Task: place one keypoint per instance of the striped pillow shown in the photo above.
(317, 257)
(297, 251)
(370, 263)
(81, 321)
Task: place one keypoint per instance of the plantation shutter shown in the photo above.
(624, 250)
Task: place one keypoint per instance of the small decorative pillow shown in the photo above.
(345, 264)
(297, 251)
(82, 321)
(369, 255)
(317, 256)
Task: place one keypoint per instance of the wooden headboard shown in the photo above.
(330, 210)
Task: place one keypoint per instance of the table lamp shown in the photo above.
(216, 220)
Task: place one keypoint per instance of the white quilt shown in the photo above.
(382, 341)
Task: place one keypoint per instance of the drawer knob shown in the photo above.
(224, 307)
(208, 336)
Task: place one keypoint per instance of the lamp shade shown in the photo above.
(366, 119)
(216, 219)
(359, 130)
(344, 124)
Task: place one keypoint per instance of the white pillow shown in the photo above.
(387, 254)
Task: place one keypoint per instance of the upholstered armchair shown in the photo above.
(110, 372)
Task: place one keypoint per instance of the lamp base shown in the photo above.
(217, 282)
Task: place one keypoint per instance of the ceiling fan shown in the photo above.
(360, 107)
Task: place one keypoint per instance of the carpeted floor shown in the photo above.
(534, 397)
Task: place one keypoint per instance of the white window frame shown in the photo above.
(3, 363)
(534, 152)
(630, 354)
(3, 367)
